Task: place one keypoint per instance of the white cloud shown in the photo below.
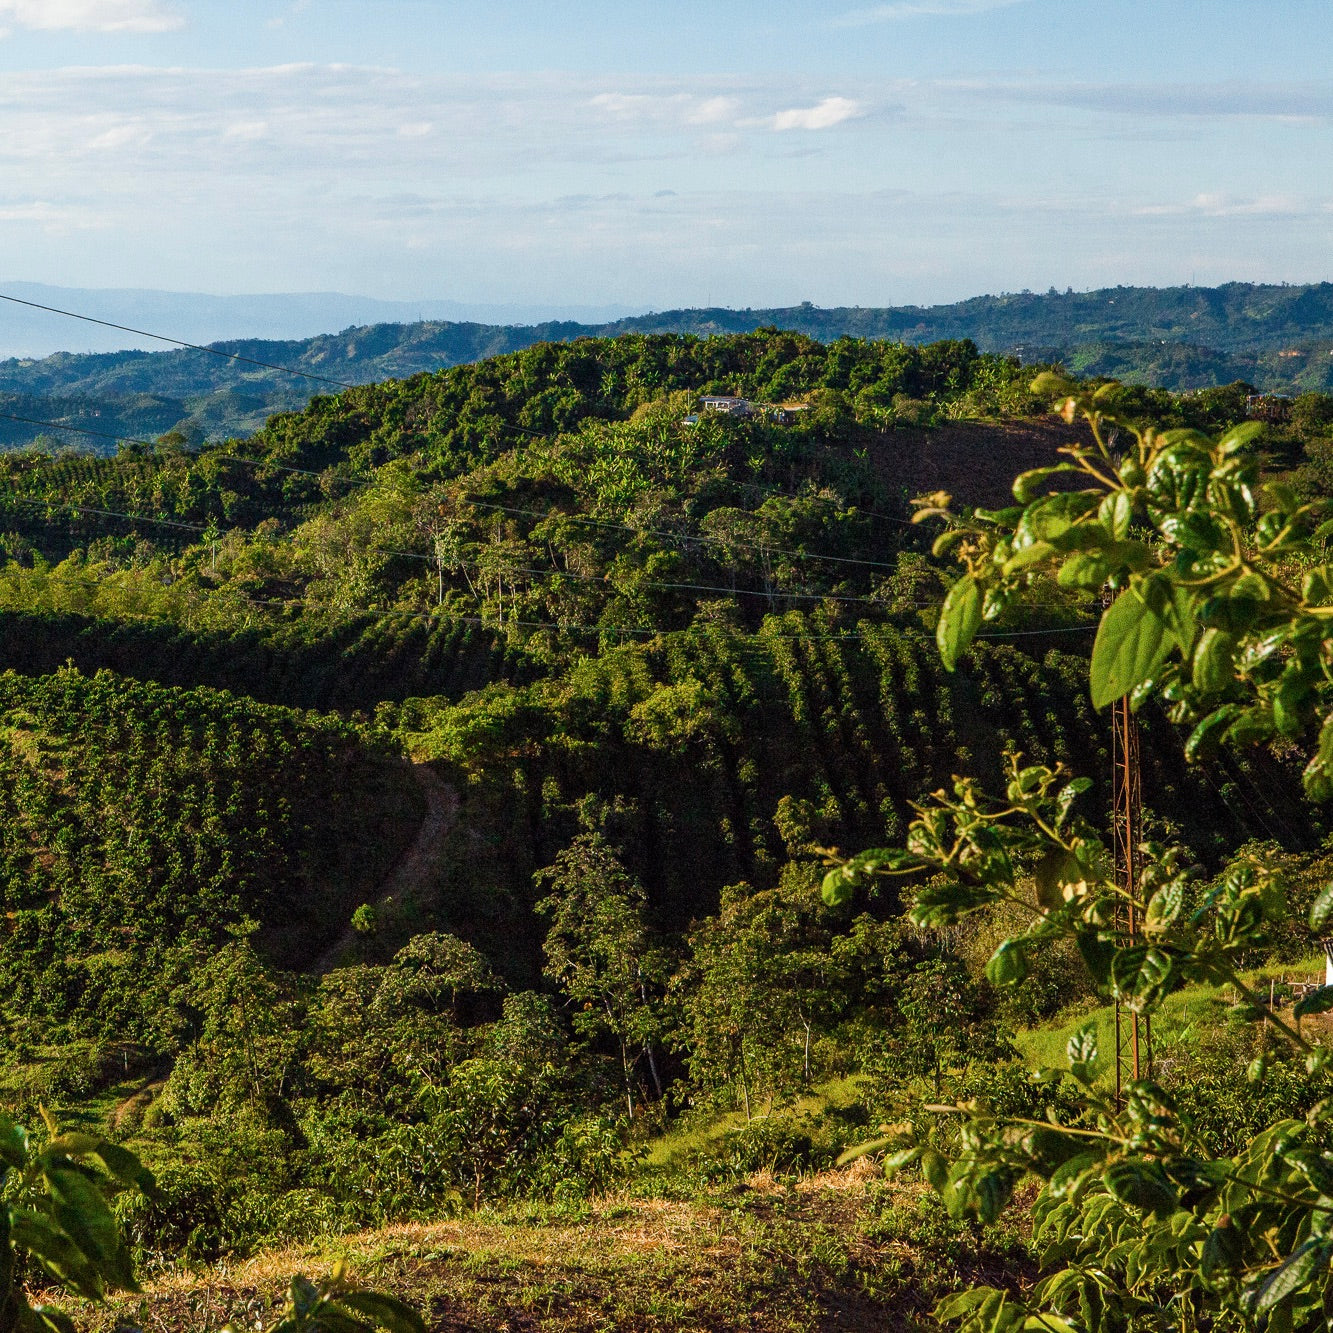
(822, 116)
(1213, 204)
(714, 111)
(91, 15)
(678, 108)
(1289, 101)
(120, 136)
(247, 131)
(343, 182)
(908, 9)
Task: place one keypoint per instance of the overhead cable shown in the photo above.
(178, 342)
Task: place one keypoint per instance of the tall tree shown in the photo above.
(600, 952)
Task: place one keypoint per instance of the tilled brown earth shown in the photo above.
(975, 461)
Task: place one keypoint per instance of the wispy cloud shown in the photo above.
(90, 15)
(910, 9)
(1217, 205)
(668, 108)
(1269, 100)
(539, 185)
(822, 116)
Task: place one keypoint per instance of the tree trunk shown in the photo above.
(629, 1082)
(648, 1045)
(745, 1086)
(652, 1068)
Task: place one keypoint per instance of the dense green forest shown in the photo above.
(420, 805)
(1278, 339)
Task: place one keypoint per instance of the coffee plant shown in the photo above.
(1222, 602)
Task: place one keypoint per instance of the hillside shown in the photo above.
(420, 812)
(1279, 339)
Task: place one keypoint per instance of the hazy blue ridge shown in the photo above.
(1278, 338)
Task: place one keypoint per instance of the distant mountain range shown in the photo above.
(197, 317)
(1279, 339)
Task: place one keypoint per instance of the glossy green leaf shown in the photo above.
(1081, 1048)
(1318, 775)
(1067, 1179)
(1321, 910)
(1133, 641)
(1297, 1272)
(1142, 975)
(1239, 436)
(993, 1191)
(960, 619)
(935, 1169)
(1116, 514)
(1027, 556)
(1165, 906)
(838, 887)
(1008, 964)
(1316, 1167)
(904, 1158)
(1215, 661)
(1141, 1184)
(1223, 1251)
(1026, 484)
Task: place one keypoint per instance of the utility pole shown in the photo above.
(1133, 1033)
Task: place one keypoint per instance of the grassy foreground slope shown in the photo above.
(837, 1250)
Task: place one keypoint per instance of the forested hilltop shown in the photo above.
(418, 808)
(1279, 339)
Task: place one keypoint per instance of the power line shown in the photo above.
(261, 462)
(1023, 633)
(702, 538)
(536, 573)
(107, 513)
(559, 573)
(705, 587)
(694, 587)
(50, 504)
(160, 337)
(78, 430)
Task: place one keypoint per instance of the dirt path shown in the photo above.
(412, 874)
(418, 865)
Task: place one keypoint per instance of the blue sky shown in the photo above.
(583, 153)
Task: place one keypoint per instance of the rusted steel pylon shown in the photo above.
(1133, 1034)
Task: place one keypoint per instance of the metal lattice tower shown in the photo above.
(1133, 1033)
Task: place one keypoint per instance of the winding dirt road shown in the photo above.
(418, 866)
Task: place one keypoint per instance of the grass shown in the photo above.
(840, 1250)
(685, 1139)
(1177, 1023)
